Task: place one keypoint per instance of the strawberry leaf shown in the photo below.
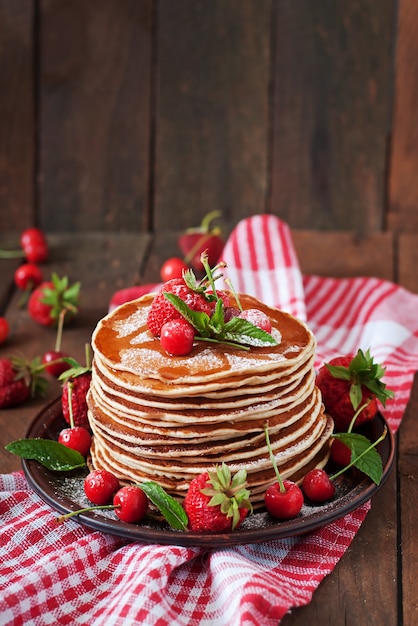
(171, 510)
(49, 453)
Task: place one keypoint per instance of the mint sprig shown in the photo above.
(364, 455)
(237, 332)
(49, 453)
(170, 509)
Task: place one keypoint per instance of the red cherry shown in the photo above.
(173, 268)
(177, 337)
(258, 318)
(77, 438)
(100, 486)
(340, 453)
(34, 244)
(317, 486)
(54, 364)
(4, 329)
(285, 504)
(28, 276)
(230, 312)
(131, 503)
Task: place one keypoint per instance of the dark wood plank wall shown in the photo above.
(142, 115)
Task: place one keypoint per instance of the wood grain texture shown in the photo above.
(17, 115)
(95, 114)
(345, 254)
(332, 99)
(212, 110)
(408, 260)
(403, 166)
(408, 471)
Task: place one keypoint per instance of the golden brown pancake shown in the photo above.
(166, 418)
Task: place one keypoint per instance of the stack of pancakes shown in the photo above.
(167, 419)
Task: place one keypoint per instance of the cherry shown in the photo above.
(4, 329)
(131, 504)
(177, 337)
(77, 438)
(317, 486)
(230, 312)
(54, 363)
(340, 453)
(100, 486)
(258, 318)
(28, 276)
(286, 504)
(173, 268)
(34, 244)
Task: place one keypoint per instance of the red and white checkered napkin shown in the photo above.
(67, 574)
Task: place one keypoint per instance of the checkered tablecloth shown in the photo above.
(67, 574)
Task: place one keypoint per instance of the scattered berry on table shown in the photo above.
(28, 276)
(173, 268)
(131, 504)
(77, 438)
(52, 299)
(100, 486)
(203, 238)
(4, 330)
(317, 486)
(216, 501)
(177, 337)
(20, 380)
(34, 245)
(54, 363)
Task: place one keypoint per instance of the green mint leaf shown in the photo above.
(49, 453)
(242, 331)
(363, 456)
(200, 321)
(171, 510)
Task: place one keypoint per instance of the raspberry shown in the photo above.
(162, 310)
(258, 318)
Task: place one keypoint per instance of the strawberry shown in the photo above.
(19, 380)
(163, 311)
(74, 391)
(349, 382)
(53, 299)
(216, 501)
(202, 238)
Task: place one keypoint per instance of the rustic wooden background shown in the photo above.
(143, 115)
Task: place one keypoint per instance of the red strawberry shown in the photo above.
(19, 380)
(163, 311)
(216, 501)
(74, 392)
(53, 299)
(196, 240)
(349, 382)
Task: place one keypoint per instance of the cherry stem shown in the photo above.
(356, 414)
(354, 461)
(11, 254)
(70, 402)
(99, 507)
(58, 339)
(273, 461)
(199, 243)
(229, 283)
(206, 222)
(25, 295)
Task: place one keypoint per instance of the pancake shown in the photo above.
(167, 418)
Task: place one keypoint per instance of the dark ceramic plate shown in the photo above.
(64, 492)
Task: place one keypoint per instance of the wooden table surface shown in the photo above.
(374, 583)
